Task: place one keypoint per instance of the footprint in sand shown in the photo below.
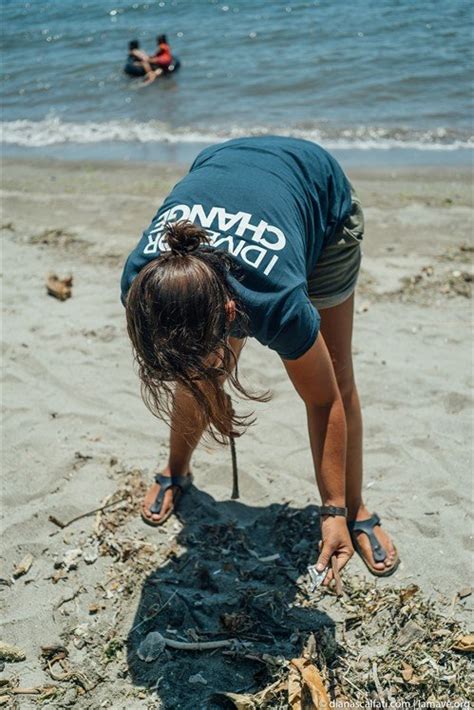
(454, 402)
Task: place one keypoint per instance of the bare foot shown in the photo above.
(383, 538)
(149, 78)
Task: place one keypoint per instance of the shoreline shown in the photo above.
(414, 199)
(183, 153)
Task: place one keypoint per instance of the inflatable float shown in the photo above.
(133, 68)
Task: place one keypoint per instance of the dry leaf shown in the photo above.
(239, 700)
(410, 633)
(271, 691)
(307, 682)
(464, 644)
(408, 592)
(23, 566)
(407, 672)
(294, 689)
(246, 701)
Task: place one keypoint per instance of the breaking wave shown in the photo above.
(54, 131)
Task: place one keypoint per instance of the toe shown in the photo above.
(366, 549)
(387, 545)
(150, 498)
(367, 552)
(385, 542)
(165, 506)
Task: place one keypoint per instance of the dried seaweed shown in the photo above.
(393, 642)
(428, 280)
(398, 645)
(208, 581)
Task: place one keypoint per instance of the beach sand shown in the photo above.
(75, 429)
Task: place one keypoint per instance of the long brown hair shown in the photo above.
(177, 316)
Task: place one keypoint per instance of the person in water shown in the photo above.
(160, 61)
(262, 238)
(139, 63)
(162, 58)
(135, 59)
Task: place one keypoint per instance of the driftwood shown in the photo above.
(59, 288)
(53, 519)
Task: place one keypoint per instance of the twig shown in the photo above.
(26, 691)
(453, 604)
(235, 474)
(66, 599)
(62, 525)
(337, 577)
(350, 683)
(69, 674)
(147, 618)
(376, 681)
(248, 656)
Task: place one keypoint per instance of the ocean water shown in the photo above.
(365, 74)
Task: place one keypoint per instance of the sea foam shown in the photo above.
(54, 131)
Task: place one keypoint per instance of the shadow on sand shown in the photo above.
(217, 586)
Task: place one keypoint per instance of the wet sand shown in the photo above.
(75, 426)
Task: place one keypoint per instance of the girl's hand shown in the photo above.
(336, 542)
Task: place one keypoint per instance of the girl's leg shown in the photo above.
(150, 72)
(151, 76)
(186, 431)
(336, 327)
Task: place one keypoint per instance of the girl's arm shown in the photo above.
(313, 378)
(139, 54)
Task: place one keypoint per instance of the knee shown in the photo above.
(347, 387)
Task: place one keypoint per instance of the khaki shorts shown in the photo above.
(334, 277)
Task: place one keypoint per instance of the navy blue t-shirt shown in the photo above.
(273, 203)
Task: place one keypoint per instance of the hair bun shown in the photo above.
(184, 237)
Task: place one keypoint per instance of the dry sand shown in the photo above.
(75, 426)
